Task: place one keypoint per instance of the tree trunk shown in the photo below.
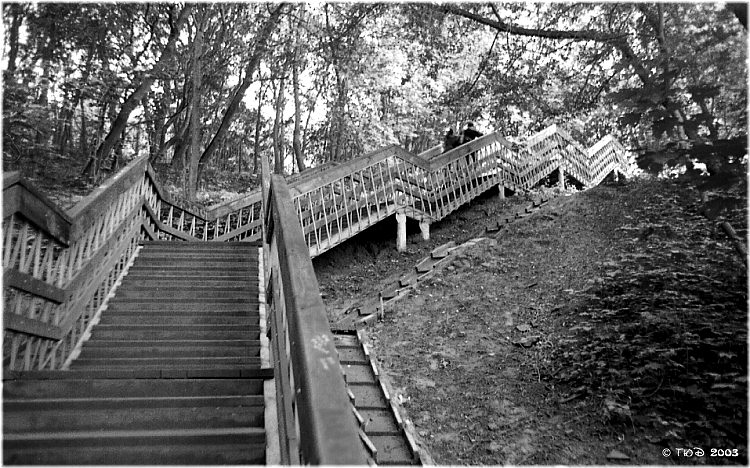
(112, 138)
(16, 11)
(258, 121)
(297, 137)
(158, 135)
(708, 115)
(65, 132)
(83, 146)
(740, 12)
(278, 134)
(195, 104)
(261, 45)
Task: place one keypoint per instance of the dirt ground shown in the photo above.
(607, 327)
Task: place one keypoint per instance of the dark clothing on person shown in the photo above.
(451, 141)
(470, 134)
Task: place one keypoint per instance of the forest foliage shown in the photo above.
(204, 87)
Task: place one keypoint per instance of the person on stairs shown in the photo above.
(451, 141)
(470, 133)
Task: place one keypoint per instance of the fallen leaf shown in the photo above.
(617, 455)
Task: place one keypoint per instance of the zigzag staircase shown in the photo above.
(135, 332)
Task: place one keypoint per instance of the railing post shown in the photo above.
(265, 185)
(424, 226)
(401, 232)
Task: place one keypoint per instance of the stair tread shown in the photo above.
(87, 404)
(72, 435)
(171, 343)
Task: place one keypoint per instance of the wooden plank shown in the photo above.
(149, 232)
(83, 274)
(20, 197)
(328, 433)
(165, 228)
(34, 286)
(157, 185)
(441, 251)
(220, 210)
(86, 212)
(390, 292)
(344, 170)
(238, 231)
(407, 280)
(426, 265)
(29, 326)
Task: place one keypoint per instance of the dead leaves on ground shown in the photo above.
(661, 338)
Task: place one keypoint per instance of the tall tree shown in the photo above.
(195, 106)
(259, 50)
(118, 125)
(297, 138)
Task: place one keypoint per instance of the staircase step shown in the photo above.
(85, 388)
(193, 454)
(95, 343)
(180, 256)
(139, 437)
(195, 276)
(172, 245)
(182, 331)
(186, 293)
(237, 373)
(122, 310)
(197, 300)
(195, 266)
(133, 282)
(194, 305)
(87, 404)
(392, 450)
(132, 418)
(166, 362)
(166, 351)
(193, 319)
(379, 422)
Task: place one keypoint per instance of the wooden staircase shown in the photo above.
(118, 351)
(171, 373)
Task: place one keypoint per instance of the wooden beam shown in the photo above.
(20, 197)
(328, 433)
(169, 229)
(34, 286)
(29, 326)
(85, 213)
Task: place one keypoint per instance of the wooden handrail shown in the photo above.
(328, 434)
(59, 266)
(86, 211)
(20, 196)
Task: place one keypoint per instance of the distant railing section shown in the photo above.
(315, 421)
(338, 200)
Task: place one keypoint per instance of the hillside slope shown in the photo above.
(612, 323)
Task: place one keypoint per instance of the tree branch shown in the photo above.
(581, 35)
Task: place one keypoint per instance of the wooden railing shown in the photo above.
(338, 200)
(59, 267)
(315, 421)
